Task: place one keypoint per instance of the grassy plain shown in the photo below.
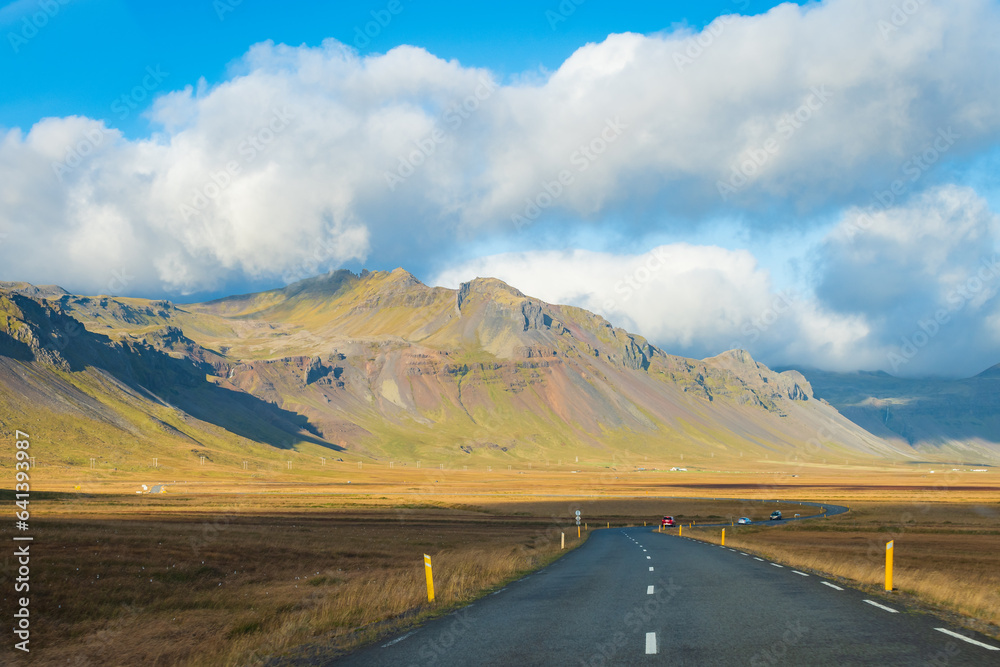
(228, 570)
(946, 554)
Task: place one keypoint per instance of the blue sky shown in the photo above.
(93, 51)
(816, 183)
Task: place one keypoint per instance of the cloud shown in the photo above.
(306, 158)
(15, 11)
(691, 300)
(913, 290)
(925, 276)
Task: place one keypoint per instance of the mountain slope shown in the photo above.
(121, 400)
(383, 366)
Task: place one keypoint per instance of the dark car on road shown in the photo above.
(775, 515)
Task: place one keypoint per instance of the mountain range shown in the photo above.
(955, 418)
(378, 366)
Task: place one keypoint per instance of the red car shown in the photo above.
(668, 521)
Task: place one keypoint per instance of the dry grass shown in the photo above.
(225, 570)
(777, 480)
(234, 587)
(946, 555)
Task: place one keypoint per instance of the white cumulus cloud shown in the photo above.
(306, 158)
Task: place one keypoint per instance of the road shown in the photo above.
(630, 596)
(767, 506)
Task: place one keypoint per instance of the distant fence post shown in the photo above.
(888, 565)
(430, 578)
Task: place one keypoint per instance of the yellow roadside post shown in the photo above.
(430, 578)
(562, 540)
(723, 537)
(680, 531)
(888, 565)
(577, 531)
(609, 524)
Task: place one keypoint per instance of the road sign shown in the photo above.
(578, 512)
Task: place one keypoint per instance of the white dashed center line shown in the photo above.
(827, 583)
(967, 639)
(650, 568)
(881, 606)
(760, 559)
(649, 590)
(743, 554)
(649, 558)
(650, 643)
(802, 574)
(776, 565)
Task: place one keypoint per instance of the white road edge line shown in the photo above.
(650, 643)
(881, 606)
(760, 559)
(967, 639)
(398, 639)
(776, 565)
(827, 583)
(803, 574)
(743, 554)
(649, 590)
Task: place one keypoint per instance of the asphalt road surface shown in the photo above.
(630, 596)
(767, 506)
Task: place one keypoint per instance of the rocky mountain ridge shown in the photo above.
(381, 365)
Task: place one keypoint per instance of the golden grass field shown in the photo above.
(235, 585)
(945, 554)
(228, 572)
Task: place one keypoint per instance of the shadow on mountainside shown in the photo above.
(45, 335)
